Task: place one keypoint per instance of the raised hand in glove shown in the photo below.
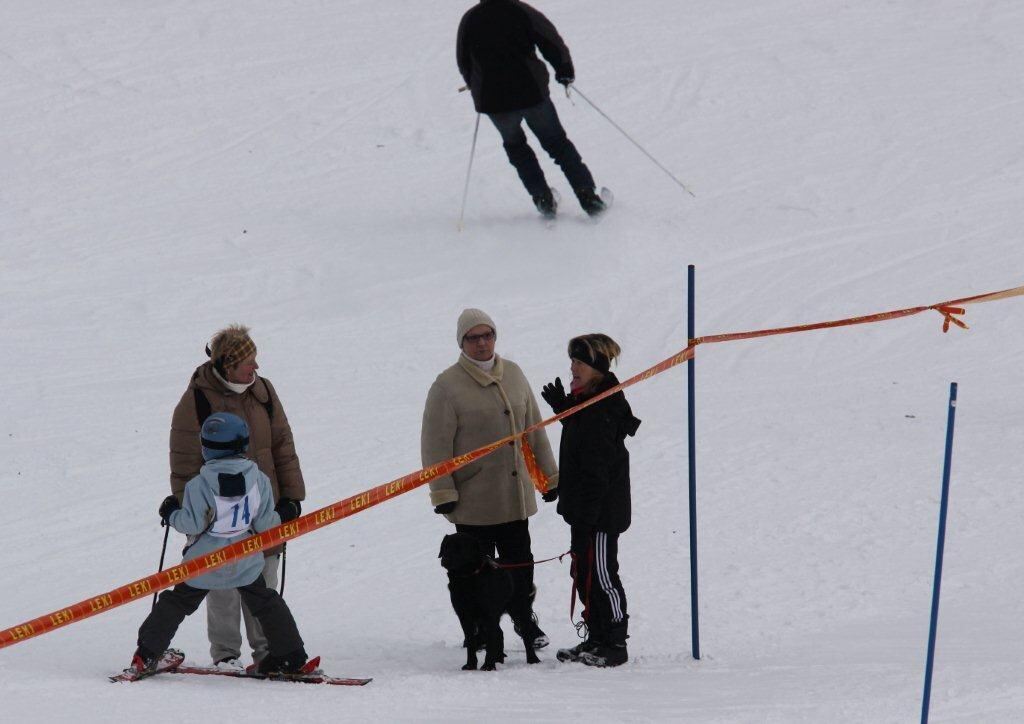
(445, 508)
(288, 509)
(550, 496)
(554, 395)
(167, 507)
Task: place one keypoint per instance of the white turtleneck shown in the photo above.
(236, 387)
(485, 366)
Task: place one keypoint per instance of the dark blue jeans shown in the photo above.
(543, 121)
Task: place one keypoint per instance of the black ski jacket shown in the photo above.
(495, 53)
(593, 463)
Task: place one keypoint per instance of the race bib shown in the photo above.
(235, 514)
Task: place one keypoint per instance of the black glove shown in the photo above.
(550, 496)
(445, 508)
(167, 507)
(564, 78)
(288, 509)
(554, 395)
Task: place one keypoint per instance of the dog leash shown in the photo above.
(582, 624)
(530, 563)
(572, 573)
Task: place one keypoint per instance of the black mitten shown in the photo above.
(554, 395)
(445, 508)
(167, 507)
(288, 509)
(550, 496)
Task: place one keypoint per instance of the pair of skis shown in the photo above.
(171, 663)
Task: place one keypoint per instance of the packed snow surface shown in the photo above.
(298, 166)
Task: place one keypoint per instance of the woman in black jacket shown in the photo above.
(593, 494)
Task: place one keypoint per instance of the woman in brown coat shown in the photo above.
(228, 382)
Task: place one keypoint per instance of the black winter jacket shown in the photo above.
(495, 53)
(593, 463)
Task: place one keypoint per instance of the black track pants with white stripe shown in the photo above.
(596, 574)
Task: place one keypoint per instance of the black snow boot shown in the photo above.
(531, 632)
(593, 204)
(611, 651)
(577, 651)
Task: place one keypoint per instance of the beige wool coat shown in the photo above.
(467, 408)
(271, 445)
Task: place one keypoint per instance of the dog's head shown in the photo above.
(462, 554)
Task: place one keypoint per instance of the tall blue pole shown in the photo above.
(938, 554)
(692, 419)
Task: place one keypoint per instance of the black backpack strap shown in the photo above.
(269, 404)
(203, 408)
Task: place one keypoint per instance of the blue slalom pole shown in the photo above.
(692, 425)
(938, 554)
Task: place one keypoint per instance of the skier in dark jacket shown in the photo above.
(593, 494)
(509, 83)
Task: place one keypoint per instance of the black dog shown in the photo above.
(480, 594)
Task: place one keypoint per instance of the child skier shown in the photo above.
(228, 500)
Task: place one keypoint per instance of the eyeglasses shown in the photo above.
(483, 337)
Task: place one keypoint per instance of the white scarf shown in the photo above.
(485, 366)
(236, 387)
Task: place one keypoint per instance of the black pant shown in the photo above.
(512, 541)
(543, 121)
(264, 603)
(596, 575)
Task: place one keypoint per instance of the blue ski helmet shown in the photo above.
(224, 434)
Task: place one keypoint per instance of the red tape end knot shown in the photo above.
(949, 317)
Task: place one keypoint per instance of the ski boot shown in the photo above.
(593, 204)
(292, 663)
(546, 204)
(145, 663)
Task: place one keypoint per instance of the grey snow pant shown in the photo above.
(224, 614)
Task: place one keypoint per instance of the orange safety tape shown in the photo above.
(947, 309)
(540, 480)
(145, 587)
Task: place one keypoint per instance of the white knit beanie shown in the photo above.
(469, 319)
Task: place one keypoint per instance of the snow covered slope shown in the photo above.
(298, 166)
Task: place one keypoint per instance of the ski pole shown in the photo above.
(163, 550)
(284, 564)
(631, 140)
(465, 191)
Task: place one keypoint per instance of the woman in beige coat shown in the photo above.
(479, 399)
(228, 382)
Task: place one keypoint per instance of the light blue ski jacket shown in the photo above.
(227, 502)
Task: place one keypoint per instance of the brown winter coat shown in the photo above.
(270, 436)
(466, 409)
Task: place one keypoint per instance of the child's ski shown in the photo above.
(169, 661)
(310, 674)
